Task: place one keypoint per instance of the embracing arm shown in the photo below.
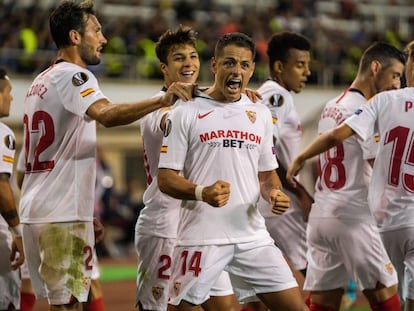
(109, 114)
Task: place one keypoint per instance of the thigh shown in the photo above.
(252, 272)
(196, 270)
(61, 259)
(154, 271)
(400, 247)
(326, 269)
(368, 263)
(289, 233)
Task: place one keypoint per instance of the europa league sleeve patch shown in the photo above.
(79, 78)
(9, 142)
(167, 127)
(276, 100)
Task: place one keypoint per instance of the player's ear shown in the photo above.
(213, 65)
(375, 66)
(163, 68)
(75, 37)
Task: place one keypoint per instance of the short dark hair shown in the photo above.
(182, 36)
(235, 38)
(3, 78)
(69, 15)
(382, 52)
(280, 43)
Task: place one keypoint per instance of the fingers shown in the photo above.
(253, 95)
(181, 90)
(17, 253)
(279, 201)
(218, 194)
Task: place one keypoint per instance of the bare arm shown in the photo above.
(270, 189)
(109, 114)
(9, 212)
(321, 144)
(176, 186)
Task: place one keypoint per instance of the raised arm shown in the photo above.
(321, 144)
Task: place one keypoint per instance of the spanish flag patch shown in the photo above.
(164, 149)
(8, 159)
(87, 92)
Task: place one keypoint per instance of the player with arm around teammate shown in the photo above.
(57, 197)
(158, 220)
(224, 141)
(352, 245)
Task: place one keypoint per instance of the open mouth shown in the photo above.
(234, 84)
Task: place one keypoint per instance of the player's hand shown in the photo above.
(293, 170)
(254, 96)
(17, 253)
(98, 228)
(217, 194)
(178, 90)
(279, 201)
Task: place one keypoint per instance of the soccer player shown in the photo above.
(58, 190)
(11, 245)
(217, 157)
(289, 60)
(158, 220)
(343, 239)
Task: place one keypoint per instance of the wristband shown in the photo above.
(16, 230)
(199, 192)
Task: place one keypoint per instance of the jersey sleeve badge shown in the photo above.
(9, 142)
(276, 100)
(79, 78)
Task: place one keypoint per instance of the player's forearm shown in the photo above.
(175, 185)
(268, 180)
(7, 204)
(110, 115)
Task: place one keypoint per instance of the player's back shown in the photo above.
(343, 172)
(392, 187)
(60, 145)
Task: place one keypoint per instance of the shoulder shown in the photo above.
(7, 137)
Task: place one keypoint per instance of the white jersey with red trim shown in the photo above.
(160, 215)
(60, 146)
(341, 189)
(391, 192)
(287, 131)
(279, 101)
(212, 141)
(7, 153)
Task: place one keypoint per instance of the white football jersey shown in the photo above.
(279, 101)
(341, 189)
(287, 132)
(212, 141)
(391, 192)
(60, 146)
(7, 152)
(160, 215)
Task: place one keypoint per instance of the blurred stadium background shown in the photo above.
(338, 29)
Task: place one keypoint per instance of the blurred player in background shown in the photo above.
(343, 239)
(289, 59)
